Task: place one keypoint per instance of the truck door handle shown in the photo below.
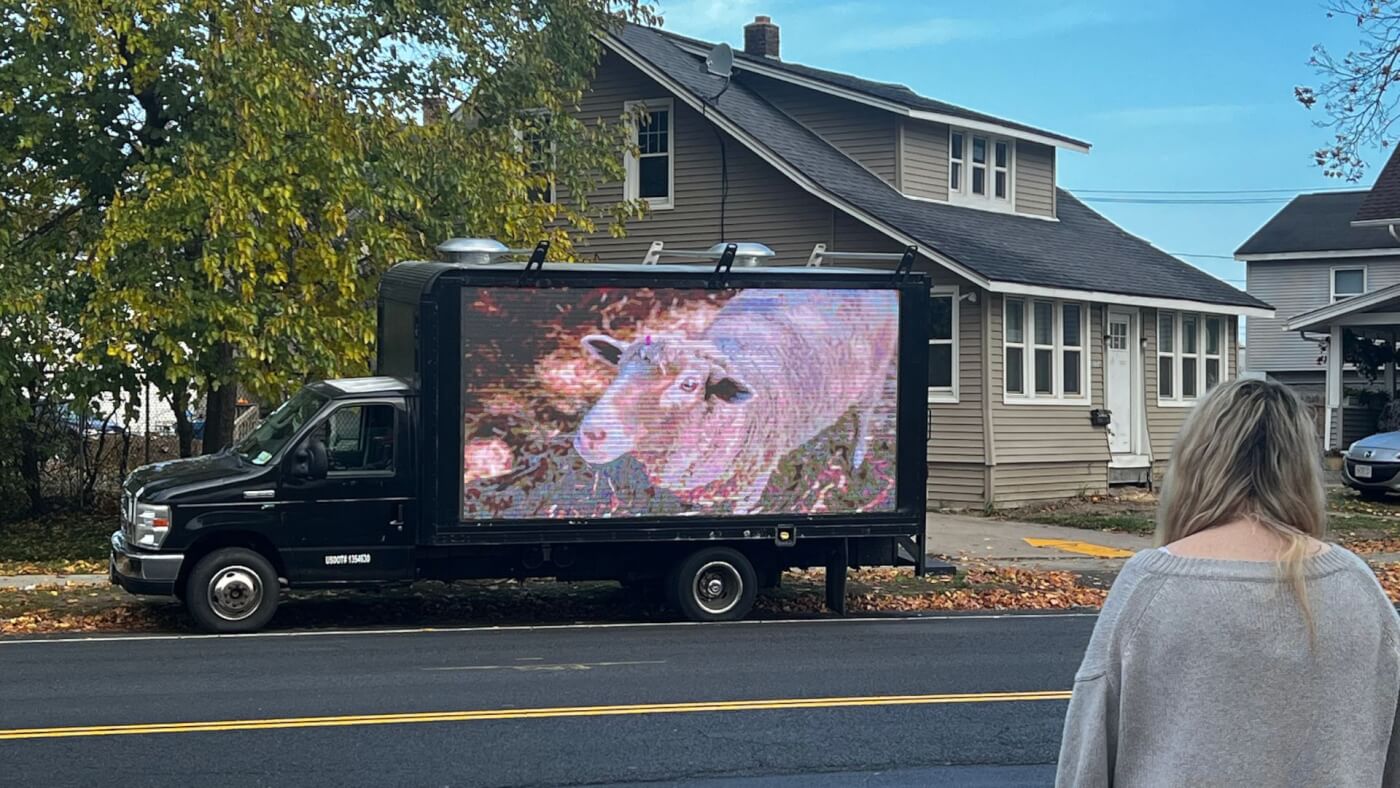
(397, 522)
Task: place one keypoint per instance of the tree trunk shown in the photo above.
(31, 461)
(220, 408)
(221, 404)
(184, 430)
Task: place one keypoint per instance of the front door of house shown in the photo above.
(1118, 371)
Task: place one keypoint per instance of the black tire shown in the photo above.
(232, 589)
(729, 585)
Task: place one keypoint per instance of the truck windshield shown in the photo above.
(279, 427)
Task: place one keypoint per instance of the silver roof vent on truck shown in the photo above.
(477, 251)
(748, 253)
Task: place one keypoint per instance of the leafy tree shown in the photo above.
(222, 181)
(1357, 91)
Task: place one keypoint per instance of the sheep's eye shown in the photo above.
(689, 384)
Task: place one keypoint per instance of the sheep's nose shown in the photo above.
(595, 437)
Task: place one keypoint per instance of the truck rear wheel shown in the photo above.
(232, 589)
(714, 584)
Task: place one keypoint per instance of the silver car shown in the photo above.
(1372, 465)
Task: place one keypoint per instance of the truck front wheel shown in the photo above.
(714, 584)
(232, 589)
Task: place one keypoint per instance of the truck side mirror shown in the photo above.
(309, 461)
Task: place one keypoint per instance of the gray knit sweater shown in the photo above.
(1200, 673)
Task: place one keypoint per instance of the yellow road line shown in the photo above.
(523, 714)
(1083, 548)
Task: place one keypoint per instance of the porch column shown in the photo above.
(1334, 382)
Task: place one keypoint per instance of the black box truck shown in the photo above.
(697, 427)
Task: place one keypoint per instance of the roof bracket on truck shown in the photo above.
(536, 262)
(723, 267)
(904, 261)
(905, 267)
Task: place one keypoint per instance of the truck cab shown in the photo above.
(322, 493)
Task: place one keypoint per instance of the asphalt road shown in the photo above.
(834, 702)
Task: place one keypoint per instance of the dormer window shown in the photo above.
(979, 169)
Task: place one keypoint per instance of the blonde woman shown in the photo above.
(1244, 650)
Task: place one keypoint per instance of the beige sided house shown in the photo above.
(1051, 374)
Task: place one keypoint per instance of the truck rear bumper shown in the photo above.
(143, 573)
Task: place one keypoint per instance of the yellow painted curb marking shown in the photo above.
(523, 714)
(1083, 548)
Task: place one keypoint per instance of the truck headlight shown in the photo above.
(150, 524)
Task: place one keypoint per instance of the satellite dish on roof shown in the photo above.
(720, 61)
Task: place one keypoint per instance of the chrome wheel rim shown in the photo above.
(235, 592)
(717, 587)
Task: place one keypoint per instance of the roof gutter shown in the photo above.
(1149, 302)
(1322, 254)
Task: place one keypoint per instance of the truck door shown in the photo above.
(348, 496)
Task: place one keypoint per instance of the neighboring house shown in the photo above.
(1316, 252)
(1045, 310)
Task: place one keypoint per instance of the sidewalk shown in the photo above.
(965, 537)
(1003, 542)
(28, 582)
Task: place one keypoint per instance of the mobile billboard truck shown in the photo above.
(700, 428)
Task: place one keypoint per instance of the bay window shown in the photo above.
(1190, 356)
(1045, 363)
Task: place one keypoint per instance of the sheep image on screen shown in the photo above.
(711, 416)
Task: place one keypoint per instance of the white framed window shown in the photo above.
(1348, 283)
(978, 182)
(538, 150)
(955, 161)
(979, 169)
(943, 345)
(1214, 355)
(1166, 356)
(1190, 356)
(1072, 350)
(1043, 346)
(1001, 169)
(651, 172)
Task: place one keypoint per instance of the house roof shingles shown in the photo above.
(1383, 200)
(888, 91)
(1317, 223)
(1081, 251)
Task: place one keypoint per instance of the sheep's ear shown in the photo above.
(729, 388)
(604, 348)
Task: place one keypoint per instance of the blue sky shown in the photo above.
(1188, 94)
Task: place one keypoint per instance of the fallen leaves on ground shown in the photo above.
(93, 609)
(1389, 575)
(1372, 546)
(981, 588)
(75, 567)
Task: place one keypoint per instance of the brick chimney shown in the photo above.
(761, 37)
